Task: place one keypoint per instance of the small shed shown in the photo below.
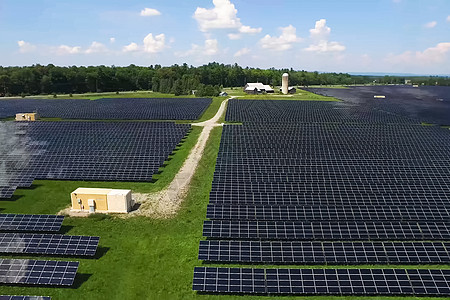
(96, 200)
(223, 94)
(27, 117)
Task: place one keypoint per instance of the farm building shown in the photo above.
(26, 117)
(257, 88)
(101, 200)
(290, 90)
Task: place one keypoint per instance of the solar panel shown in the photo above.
(7, 191)
(275, 212)
(287, 252)
(322, 281)
(50, 244)
(343, 230)
(37, 272)
(9, 297)
(19, 222)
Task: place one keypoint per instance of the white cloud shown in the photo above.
(154, 44)
(319, 36)
(430, 25)
(130, 48)
(150, 12)
(25, 47)
(283, 42)
(325, 46)
(96, 47)
(242, 52)
(112, 40)
(432, 55)
(321, 31)
(66, 50)
(248, 29)
(211, 47)
(222, 16)
(234, 36)
(448, 18)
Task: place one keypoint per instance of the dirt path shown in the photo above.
(165, 204)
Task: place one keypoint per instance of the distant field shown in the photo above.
(300, 95)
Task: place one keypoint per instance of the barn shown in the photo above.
(257, 88)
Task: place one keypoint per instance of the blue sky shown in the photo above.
(400, 36)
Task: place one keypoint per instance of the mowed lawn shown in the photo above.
(301, 95)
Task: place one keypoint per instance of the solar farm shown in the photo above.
(323, 183)
(293, 199)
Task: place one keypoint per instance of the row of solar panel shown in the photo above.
(439, 187)
(316, 213)
(344, 230)
(327, 199)
(49, 244)
(37, 272)
(286, 252)
(386, 282)
(20, 222)
(10, 297)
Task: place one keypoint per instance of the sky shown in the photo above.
(387, 36)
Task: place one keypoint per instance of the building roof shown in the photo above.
(259, 86)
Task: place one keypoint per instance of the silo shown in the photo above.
(285, 83)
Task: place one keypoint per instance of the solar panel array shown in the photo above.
(38, 272)
(50, 244)
(288, 111)
(362, 282)
(430, 104)
(327, 183)
(109, 109)
(20, 222)
(9, 297)
(314, 252)
(91, 151)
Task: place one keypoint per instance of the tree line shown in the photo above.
(207, 80)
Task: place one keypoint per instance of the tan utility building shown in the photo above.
(27, 117)
(101, 200)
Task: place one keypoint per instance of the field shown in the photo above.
(300, 95)
(143, 258)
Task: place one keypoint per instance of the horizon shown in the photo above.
(344, 37)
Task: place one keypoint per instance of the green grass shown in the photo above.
(95, 96)
(300, 95)
(211, 110)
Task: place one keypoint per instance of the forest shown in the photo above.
(176, 79)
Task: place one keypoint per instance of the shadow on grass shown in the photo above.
(64, 229)
(13, 198)
(80, 278)
(101, 251)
